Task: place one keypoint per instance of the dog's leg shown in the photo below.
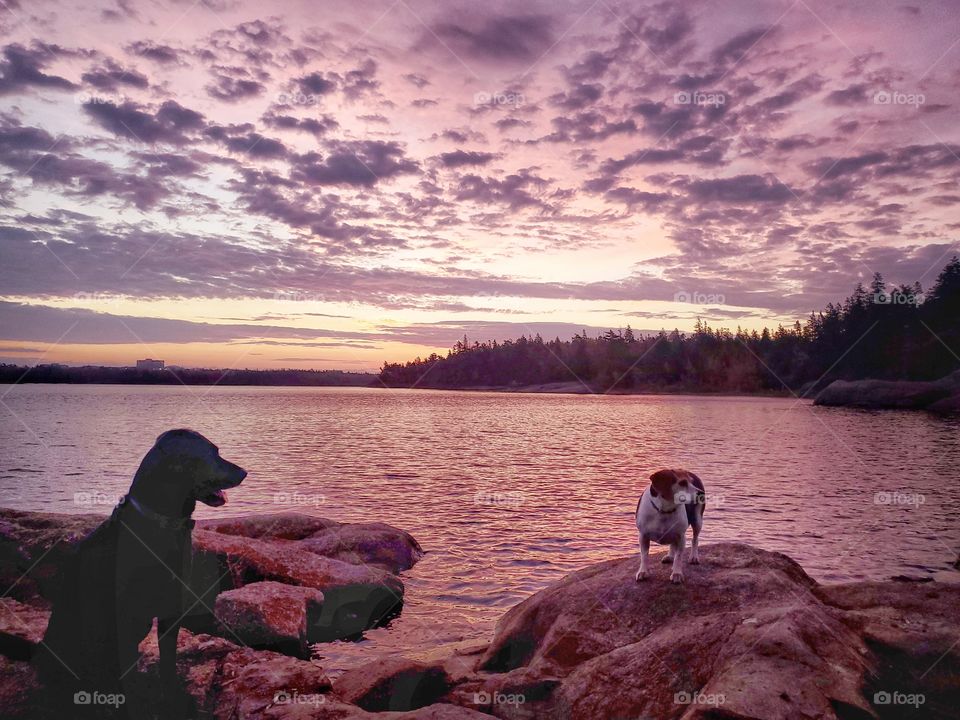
(668, 558)
(695, 548)
(676, 573)
(167, 632)
(644, 552)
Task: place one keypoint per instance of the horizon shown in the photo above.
(219, 184)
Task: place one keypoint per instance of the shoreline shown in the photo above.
(561, 388)
(578, 388)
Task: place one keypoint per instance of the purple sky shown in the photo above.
(311, 184)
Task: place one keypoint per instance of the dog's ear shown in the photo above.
(662, 480)
(663, 477)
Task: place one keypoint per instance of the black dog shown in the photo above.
(133, 568)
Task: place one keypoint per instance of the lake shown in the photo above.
(508, 492)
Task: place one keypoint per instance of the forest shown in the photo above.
(180, 376)
(877, 332)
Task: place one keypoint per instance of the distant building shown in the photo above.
(149, 364)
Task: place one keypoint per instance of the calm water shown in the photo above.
(508, 492)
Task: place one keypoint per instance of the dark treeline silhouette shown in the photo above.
(877, 332)
(177, 376)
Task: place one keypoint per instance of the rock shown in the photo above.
(744, 636)
(273, 526)
(439, 711)
(949, 404)
(283, 581)
(393, 683)
(912, 633)
(353, 565)
(230, 682)
(32, 547)
(356, 597)
(269, 615)
(375, 544)
(18, 688)
(560, 628)
(21, 628)
(943, 394)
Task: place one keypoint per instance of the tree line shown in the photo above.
(877, 332)
(54, 373)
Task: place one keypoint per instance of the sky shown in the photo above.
(226, 183)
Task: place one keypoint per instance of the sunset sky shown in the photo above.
(227, 183)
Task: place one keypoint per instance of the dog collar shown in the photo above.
(663, 512)
(164, 521)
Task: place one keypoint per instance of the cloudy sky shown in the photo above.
(228, 183)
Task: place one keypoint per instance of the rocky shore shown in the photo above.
(748, 635)
(941, 395)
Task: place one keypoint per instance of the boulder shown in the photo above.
(356, 597)
(269, 615)
(589, 612)
(270, 526)
(376, 544)
(393, 683)
(912, 634)
(940, 395)
(746, 635)
(32, 547)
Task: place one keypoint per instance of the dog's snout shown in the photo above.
(234, 474)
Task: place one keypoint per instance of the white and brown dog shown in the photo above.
(674, 500)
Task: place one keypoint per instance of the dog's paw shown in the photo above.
(676, 577)
(666, 559)
(641, 575)
(694, 559)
